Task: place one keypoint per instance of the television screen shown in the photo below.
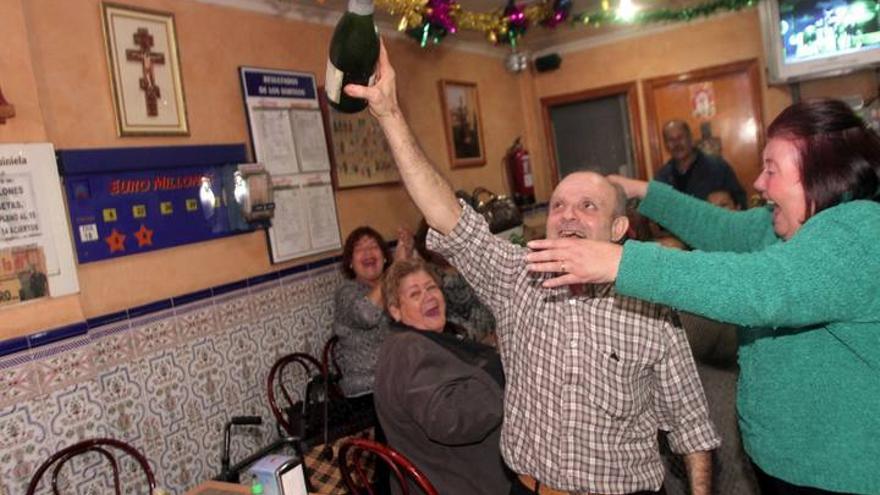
(810, 38)
(811, 29)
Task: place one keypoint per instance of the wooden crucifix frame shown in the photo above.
(144, 66)
(7, 111)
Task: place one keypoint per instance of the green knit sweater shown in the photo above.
(809, 386)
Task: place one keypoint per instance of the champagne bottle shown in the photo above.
(354, 51)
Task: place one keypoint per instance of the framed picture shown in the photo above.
(144, 71)
(359, 154)
(463, 123)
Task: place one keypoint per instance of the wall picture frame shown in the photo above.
(359, 154)
(463, 123)
(144, 64)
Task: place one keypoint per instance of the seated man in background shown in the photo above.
(438, 396)
(591, 375)
(693, 172)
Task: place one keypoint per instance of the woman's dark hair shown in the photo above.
(352, 239)
(839, 154)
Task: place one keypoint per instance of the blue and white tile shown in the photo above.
(64, 363)
(121, 392)
(195, 320)
(296, 289)
(19, 378)
(207, 371)
(233, 308)
(154, 332)
(23, 435)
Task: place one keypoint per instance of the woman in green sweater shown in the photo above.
(801, 276)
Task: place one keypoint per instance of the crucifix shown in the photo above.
(6, 109)
(144, 40)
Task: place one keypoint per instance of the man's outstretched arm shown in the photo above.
(431, 193)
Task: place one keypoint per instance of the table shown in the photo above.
(219, 488)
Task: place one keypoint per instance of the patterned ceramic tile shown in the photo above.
(111, 346)
(207, 371)
(122, 395)
(166, 389)
(233, 308)
(267, 299)
(75, 413)
(155, 332)
(65, 363)
(22, 431)
(195, 320)
(296, 289)
(243, 362)
(180, 462)
(19, 379)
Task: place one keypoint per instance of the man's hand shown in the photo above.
(632, 187)
(382, 95)
(578, 261)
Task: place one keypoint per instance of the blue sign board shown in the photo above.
(134, 200)
(263, 83)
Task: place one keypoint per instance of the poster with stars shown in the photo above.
(36, 255)
(127, 201)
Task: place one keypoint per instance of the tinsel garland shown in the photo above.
(431, 20)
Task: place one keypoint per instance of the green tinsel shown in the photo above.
(683, 14)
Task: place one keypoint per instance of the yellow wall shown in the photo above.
(53, 69)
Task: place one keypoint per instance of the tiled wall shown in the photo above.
(166, 381)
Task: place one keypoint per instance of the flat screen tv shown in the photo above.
(808, 39)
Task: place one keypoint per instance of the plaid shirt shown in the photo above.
(590, 378)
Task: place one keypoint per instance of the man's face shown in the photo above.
(582, 206)
(678, 142)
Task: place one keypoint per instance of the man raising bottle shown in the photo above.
(591, 376)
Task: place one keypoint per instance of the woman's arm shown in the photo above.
(704, 226)
(827, 272)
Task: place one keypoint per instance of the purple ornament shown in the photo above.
(561, 9)
(439, 13)
(516, 18)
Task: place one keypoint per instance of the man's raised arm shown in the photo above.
(431, 193)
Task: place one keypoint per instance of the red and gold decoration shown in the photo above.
(429, 21)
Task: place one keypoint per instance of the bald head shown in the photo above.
(587, 205)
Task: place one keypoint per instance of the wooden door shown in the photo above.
(725, 98)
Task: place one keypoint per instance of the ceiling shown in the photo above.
(536, 40)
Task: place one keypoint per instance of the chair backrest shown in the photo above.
(330, 367)
(311, 369)
(351, 463)
(97, 445)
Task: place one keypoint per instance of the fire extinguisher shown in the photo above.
(519, 173)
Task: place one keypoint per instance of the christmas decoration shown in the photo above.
(431, 20)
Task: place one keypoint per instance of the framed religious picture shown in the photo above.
(463, 123)
(359, 154)
(144, 71)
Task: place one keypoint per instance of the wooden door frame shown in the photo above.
(630, 89)
(750, 67)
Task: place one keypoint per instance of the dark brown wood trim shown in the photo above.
(751, 67)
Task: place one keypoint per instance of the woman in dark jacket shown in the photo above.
(439, 396)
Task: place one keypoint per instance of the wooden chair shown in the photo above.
(352, 454)
(293, 415)
(98, 445)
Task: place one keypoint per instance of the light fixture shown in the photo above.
(516, 62)
(627, 10)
